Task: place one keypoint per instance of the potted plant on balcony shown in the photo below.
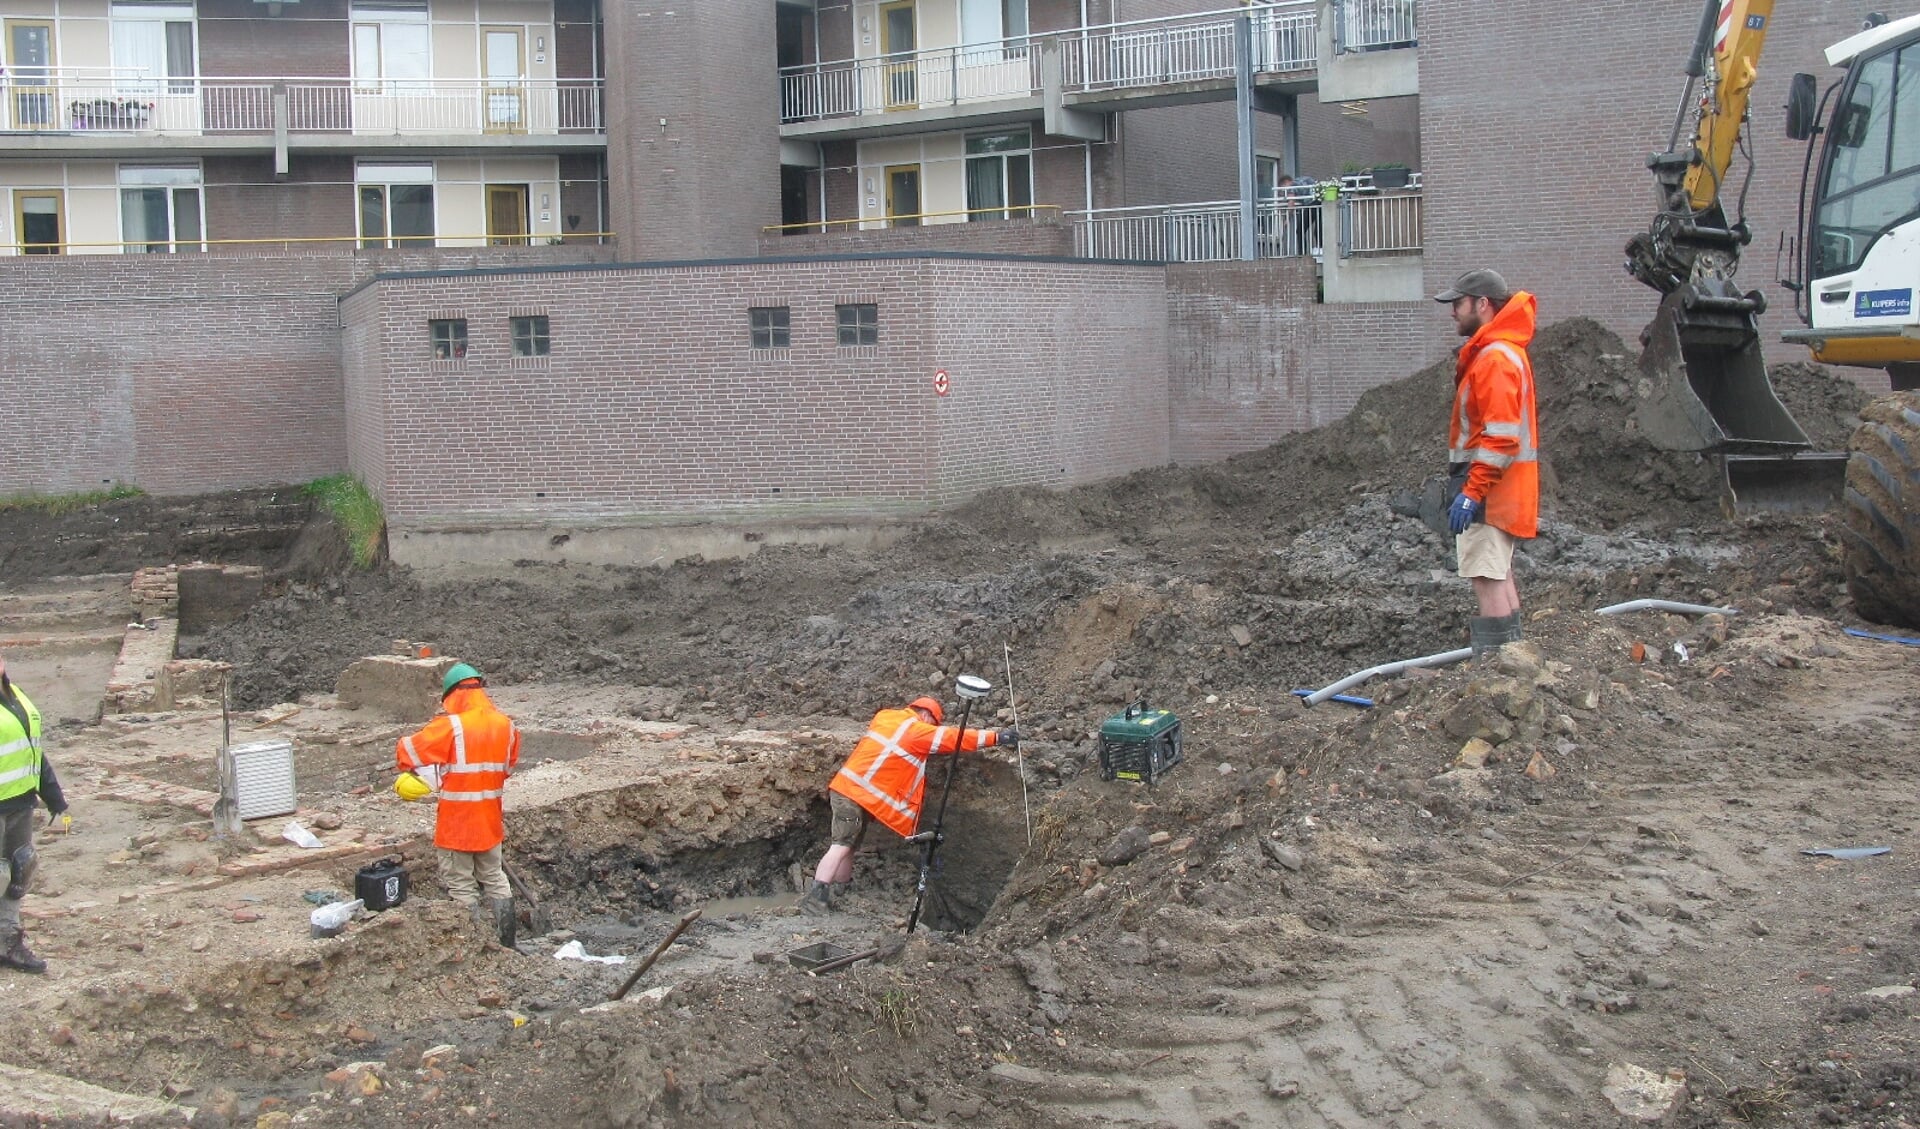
(1391, 174)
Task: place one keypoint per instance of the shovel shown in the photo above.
(226, 809)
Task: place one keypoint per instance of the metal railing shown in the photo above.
(1190, 48)
(106, 100)
(1370, 222)
(1028, 212)
(1374, 25)
(1137, 53)
(348, 243)
(943, 76)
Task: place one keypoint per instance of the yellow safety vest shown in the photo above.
(19, 750)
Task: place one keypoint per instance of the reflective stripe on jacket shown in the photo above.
(476, 746)
(887, 773)
(1495, 426)
(19, 749)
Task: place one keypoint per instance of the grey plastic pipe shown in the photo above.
(1446, 658)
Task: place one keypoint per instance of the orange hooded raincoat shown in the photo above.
(476, 746)
(887, 772)
(1495, 427)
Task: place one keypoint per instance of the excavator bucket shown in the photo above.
(1705, 389)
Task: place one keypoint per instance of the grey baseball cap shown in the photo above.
(1476, 284)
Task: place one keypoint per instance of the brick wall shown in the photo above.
(651, 401)
(244, 201)
(187, 373)
(707, 180)
(309, 39)
(1552, 204)
(1252, 357)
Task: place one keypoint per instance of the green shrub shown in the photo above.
(356, 509)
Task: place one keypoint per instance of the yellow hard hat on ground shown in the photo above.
(409, 787)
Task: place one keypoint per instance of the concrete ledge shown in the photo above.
(144, 652)
(449, 551)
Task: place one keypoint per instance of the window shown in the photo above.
(153, 42)
(160, 209)
(1873, 161)
(999, 175)
(396, 205)
(449, 338)
(391, 45)
(859, 324)
(770, 326)
(984, 21)
(530, 336)
(36, 218)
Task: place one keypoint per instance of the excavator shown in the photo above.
(1856, 264)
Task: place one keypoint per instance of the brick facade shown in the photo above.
(653, 403)
(1251, 357)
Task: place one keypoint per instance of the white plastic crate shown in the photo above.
(263, 778)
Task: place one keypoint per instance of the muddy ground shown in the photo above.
(1464, 906)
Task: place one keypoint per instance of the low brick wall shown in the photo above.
(996, 237)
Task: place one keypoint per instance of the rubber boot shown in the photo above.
(1512, 631)
(18, 956)
(1485, 634)
(819, 899)
(506, 921)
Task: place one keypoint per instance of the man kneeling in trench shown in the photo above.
(886, 780)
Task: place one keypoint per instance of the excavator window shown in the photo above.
(1872, 169)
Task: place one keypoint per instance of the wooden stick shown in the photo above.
(838, 963)
(689, 919)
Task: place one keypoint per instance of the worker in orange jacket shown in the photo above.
(885, 780)
(466, 754)
(1493, 446)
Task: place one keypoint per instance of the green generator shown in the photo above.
(1139, 744)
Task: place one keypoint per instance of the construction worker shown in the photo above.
(26, 780)
(466, 753)
(886, 780)
(1493, 447)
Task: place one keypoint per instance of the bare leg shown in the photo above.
(1496, 597)
(835, 866)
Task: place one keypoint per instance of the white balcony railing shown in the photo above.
(102, 101)
(1374, 25)
(1370, 223)
(945, 76)
(1191, 48)
(1138, 53)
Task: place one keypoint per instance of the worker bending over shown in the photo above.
(886, 780)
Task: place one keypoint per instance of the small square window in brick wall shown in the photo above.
(770, 327)
(857, 324)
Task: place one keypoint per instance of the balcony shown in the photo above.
(1367, 222)
(81, 110)
(1110, 66)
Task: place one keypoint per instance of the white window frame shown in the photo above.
(1007, 208)
(170, 181)
(385, 176)
(371, 27)
(121, 14)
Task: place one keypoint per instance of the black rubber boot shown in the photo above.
(18, 956)
(1485, 634)
(819, 899)
(506, 921)
(1511, 630)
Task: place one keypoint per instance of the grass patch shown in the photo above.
(358, 512)
(53, 505)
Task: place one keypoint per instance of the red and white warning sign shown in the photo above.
(941, 385)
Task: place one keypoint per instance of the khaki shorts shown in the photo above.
(1485, 552)
(850, 821)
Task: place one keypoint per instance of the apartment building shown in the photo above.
(130, 126)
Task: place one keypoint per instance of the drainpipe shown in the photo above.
(1243, 121)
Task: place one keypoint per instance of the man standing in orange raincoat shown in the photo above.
(1493, 447)
(885, 780)
(466, 754)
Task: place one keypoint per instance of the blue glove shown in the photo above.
(1464, 512)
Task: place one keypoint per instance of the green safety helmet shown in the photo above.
(458, 673)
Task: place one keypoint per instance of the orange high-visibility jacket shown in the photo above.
(1496, 426)
(477, 747)
(887, 773)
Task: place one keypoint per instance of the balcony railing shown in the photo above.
(1371, 222)
(1131, 55)
(101, 101)
(1374, 25)
(1192, 48)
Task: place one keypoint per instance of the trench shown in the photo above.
(612, 893)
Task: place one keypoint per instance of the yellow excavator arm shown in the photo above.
(1739, 32)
